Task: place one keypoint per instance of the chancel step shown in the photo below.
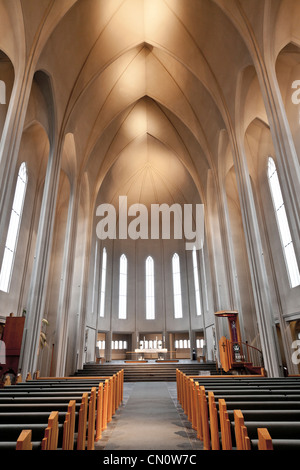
(150, 371)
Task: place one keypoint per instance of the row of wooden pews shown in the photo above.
(61, 413)
(242, 412)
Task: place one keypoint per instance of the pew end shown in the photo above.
(24, 440)
(264, 439)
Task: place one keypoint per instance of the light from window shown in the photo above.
(196, 283)
(95, 275)
(103, 283)
(119, 344)
(283, 225)
(182, 344)
(123, 288)
(176, 286)
(150, 301)
(13, 229)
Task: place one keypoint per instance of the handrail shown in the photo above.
(238, 352)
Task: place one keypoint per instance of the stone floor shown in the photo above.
(149, 418)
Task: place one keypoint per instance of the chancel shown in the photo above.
(149, 224)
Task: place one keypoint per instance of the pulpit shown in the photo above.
(234, 354)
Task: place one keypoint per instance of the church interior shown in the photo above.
(110, 110)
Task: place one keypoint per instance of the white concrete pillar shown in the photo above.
(260, 287)
(40, 271)
(62, 320)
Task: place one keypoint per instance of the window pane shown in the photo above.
(285, 233)
(13, 229)
(12, 232)
(293, 266)
(177, 286)
(283, 225)
(276, 191)
(123, 288)
(196, 283)
(150, 300)
(103, 283)
(6, 268)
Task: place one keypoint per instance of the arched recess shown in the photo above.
(7, 77)
(41, 104)
(236, 262)
(69, 157)
(241, 258)
(288, 76)
(34, 151)
(249, 100)
(214, 234)
(286, 25)
(56, 278)
(284, 300)
(258, 147)
(77, 292)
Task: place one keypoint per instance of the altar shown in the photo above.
(148, 353)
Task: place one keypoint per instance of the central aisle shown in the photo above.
(149, 419)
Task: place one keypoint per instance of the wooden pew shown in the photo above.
(241, 433)
(40, 392)
(267, 391)
(50, 439)
(92, 420)
(264, 439)
(214, 422)
(24, 440)
(99, 416)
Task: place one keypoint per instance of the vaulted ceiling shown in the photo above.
(144, 87)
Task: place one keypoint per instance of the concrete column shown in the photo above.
(108, 340)
(260, 287)
(40, 271)
(62, 320)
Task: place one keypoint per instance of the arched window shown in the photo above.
(13, 229)
(176, 286)
(103, 283)
(123, 288)
(283, 225)
(150, 300)
(196, 283)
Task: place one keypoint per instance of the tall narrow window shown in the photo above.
(123, 288)
(95, 276)
(103, 283)
(150, 300)
(196, 283)
(13, 229)
(283, 225)
(176, 286)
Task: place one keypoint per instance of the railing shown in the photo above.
(235, 353)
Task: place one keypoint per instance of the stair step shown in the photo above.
(146, 372)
